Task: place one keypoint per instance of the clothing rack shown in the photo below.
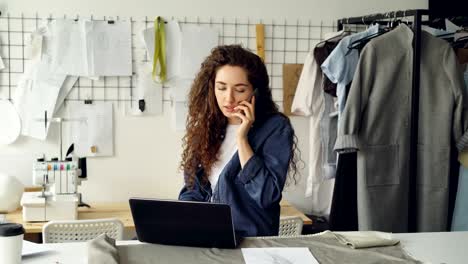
(417, 22)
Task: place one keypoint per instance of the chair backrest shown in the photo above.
(290, 226)
(81, 230)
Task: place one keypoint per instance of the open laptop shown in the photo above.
(183, 223)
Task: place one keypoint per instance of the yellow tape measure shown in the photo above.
(159, 50)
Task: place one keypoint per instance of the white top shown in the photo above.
(226, 151)
(309, 101)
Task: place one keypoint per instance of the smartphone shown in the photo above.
(255, 93)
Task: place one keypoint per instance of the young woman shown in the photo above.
(238, 146)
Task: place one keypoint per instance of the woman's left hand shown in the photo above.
(247, 116)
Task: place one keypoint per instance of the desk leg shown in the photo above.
(33, 237)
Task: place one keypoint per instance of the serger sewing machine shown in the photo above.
(59, 198)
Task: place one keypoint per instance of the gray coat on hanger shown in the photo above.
(376, 121)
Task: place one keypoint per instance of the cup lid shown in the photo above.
(11, 229)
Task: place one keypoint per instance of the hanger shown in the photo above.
(360, 43)
(348, 29)
(338, 36)
(447, 35)
(461, 21)
(450, 37)
(393, 23)
(330, 39)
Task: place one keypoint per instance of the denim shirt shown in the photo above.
(255, 191)
(341, 64)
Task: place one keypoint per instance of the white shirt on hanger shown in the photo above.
(309, 101)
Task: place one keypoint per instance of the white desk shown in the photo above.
(431, 247)
(443, 247)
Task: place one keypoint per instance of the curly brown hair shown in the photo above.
(206, 124)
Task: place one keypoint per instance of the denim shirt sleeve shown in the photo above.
(198, 193)
(264, 174)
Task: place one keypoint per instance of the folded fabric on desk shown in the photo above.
(325, 247)
(102, 250)
(366, 239)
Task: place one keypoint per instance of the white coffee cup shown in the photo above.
(11, 243)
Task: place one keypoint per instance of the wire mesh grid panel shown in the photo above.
(285, 42)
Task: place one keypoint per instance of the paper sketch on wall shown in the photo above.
(68, 45)
(93, 136)
(173, 42)
(60, 51)
(110, 48)
(91, 48)
(148, 98)
(187, 46)
(197, 42)
(40, 90)
(36, 95)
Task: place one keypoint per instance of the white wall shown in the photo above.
(279, 9)
(147, 151)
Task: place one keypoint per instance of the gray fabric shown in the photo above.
(328, 132)
(102, 250)
(325, 248)
(376, 120)
(463, 142)
(346, 143)
(460, 212)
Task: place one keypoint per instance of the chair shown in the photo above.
(81, 230)
(290, 226)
